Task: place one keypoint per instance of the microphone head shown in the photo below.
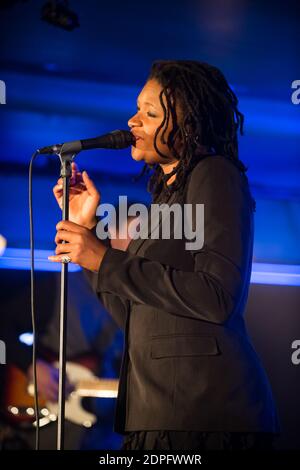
(113, 140)
(121, 139)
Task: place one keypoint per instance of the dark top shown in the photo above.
(188, 363)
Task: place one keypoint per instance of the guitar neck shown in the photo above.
(98, 388)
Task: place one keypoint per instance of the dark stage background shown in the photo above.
(63, 85)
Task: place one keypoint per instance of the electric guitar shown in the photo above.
(18, 402)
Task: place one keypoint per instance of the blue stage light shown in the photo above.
(19, 258)
(262, 273)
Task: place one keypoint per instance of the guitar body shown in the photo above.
(17, 403)
(74, 411)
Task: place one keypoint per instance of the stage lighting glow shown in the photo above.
(262, 273)
(275, 274)
(26, 338)
(19, 258)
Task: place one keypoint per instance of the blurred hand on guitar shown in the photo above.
(47, 379)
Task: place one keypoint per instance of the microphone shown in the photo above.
(113, 140)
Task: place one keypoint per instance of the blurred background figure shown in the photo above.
(94, 343)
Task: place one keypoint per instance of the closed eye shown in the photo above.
(148, 113)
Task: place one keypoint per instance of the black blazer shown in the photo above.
(188, 363)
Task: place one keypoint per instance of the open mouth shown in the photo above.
(137, 139)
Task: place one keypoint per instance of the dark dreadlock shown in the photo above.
(210, 119)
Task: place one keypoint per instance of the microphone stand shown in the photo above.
(66, 153)
(66, 157)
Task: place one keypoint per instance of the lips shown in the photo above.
(136, 136)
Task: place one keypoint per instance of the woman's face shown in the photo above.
(144, 124)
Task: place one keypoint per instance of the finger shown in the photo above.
(63, 235)
(73, 190)
(57, 189)
(56, 258)
(91, 188)
(75, 170)
(70, 226)
(73, 181)
(75, 167)
(64, 248)
(79, 178)
(76, 174)
(79, 187)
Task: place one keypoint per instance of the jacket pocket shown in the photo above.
(183, 345)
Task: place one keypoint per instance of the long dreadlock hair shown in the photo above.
(210, 119)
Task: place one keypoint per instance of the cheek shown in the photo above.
(145, 149)
(150, 131)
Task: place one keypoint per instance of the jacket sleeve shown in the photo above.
(116, 306)
(213, 290)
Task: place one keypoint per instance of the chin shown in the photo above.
(137, 157)
(140, 155)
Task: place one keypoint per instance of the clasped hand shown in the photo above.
(80, 245)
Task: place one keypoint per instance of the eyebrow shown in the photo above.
(147, 102)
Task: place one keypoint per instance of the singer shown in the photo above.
(190, 377)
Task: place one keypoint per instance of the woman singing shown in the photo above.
(190, 378)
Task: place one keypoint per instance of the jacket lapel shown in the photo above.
(136, 244)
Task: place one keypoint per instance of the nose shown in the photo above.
(134, 121)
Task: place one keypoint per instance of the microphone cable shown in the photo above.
(33, 316)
